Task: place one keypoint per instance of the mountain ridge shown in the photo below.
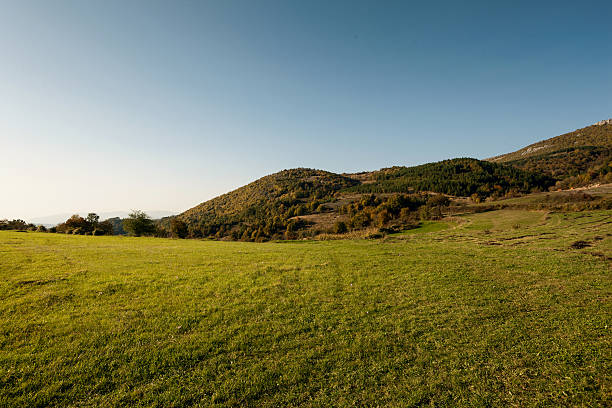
(598, 134)
(574, 159)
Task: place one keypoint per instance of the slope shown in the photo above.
(576, 158)
(458, 177)
(265, 206)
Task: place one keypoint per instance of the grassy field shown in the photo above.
(494, 309)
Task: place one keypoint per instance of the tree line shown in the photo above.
(20, 225)
(137, 223)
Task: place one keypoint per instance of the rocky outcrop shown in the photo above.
(530, 150)
(604, 122)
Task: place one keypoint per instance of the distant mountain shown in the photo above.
(577, 158)
(55, 219)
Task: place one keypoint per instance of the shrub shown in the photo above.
(105, 228)
(19, 225)
(178, 228)
(340, 227)
(139, 223)
(76, 222)
(438, 200)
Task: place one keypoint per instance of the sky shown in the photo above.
(160, 105)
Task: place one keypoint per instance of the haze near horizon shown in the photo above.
(160, 105)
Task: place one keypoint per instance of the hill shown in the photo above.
(265, 206)
(577, 158)
(289, 203)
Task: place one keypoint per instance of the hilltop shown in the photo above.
(265, 206)
(573, 159)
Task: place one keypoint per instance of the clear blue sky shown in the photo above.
(110, 105)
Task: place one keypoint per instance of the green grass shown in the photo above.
(504, 220)
(480, 314)
(427, 226)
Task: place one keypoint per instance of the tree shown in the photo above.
(139, 223)
(104, 228)
(383, 217)
(93, 218)
(74, 225)
(13, 225)
(438, 200)
(178, 228)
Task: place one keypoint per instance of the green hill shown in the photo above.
(577, 158)
(265, 207)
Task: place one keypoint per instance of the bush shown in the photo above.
(178, 228)
(74, 223)
(360, 220)
(139, 223)
(406, 214)
(105, 228)
(438, 200)
(340, 227)
(19, 225)
(383, 217)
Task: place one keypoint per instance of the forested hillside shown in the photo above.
(457, 177)
(577, 158)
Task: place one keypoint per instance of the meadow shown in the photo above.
(501, 308)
